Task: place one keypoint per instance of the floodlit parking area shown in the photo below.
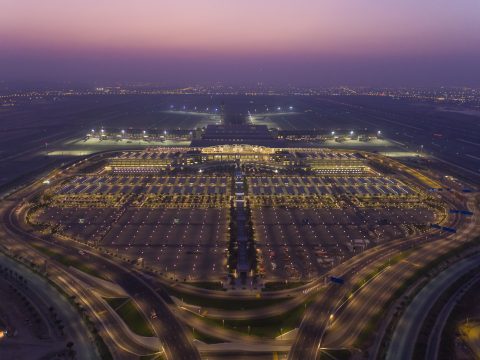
(327, 185)
(113, 185)
(297, 243)
(144, 191)
(177, 222)
(181, 243)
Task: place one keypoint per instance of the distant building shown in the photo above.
(237, 134)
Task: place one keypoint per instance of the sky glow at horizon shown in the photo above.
(199, 36)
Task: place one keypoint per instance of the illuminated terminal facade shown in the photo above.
(158, 159)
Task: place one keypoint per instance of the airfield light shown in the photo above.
(144, 132)
(123, 131)
(351, 132)
(164, 132)
(333, 132)
(379, 132)
(279, 108)
(93, 130)
(291, 107)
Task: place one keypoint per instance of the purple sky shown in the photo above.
(304, 42)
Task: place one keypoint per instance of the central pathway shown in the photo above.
(243, 263)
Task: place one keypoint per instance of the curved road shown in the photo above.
(406, 332)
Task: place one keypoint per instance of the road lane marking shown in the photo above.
(468, 142)
(473, 156)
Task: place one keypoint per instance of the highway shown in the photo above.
(371, 299)
(314, 324)
(406, 332)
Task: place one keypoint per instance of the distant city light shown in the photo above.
(291, 107)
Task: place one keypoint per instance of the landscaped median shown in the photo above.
(230, 303)
(68, 260)
(390, 262)
(131, 315)
(266, 328)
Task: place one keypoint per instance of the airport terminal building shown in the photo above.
(158, 159)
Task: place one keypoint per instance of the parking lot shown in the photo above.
(184, 243)
(327, 185)
(111, 185)
(296, 243)
(177, 222)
